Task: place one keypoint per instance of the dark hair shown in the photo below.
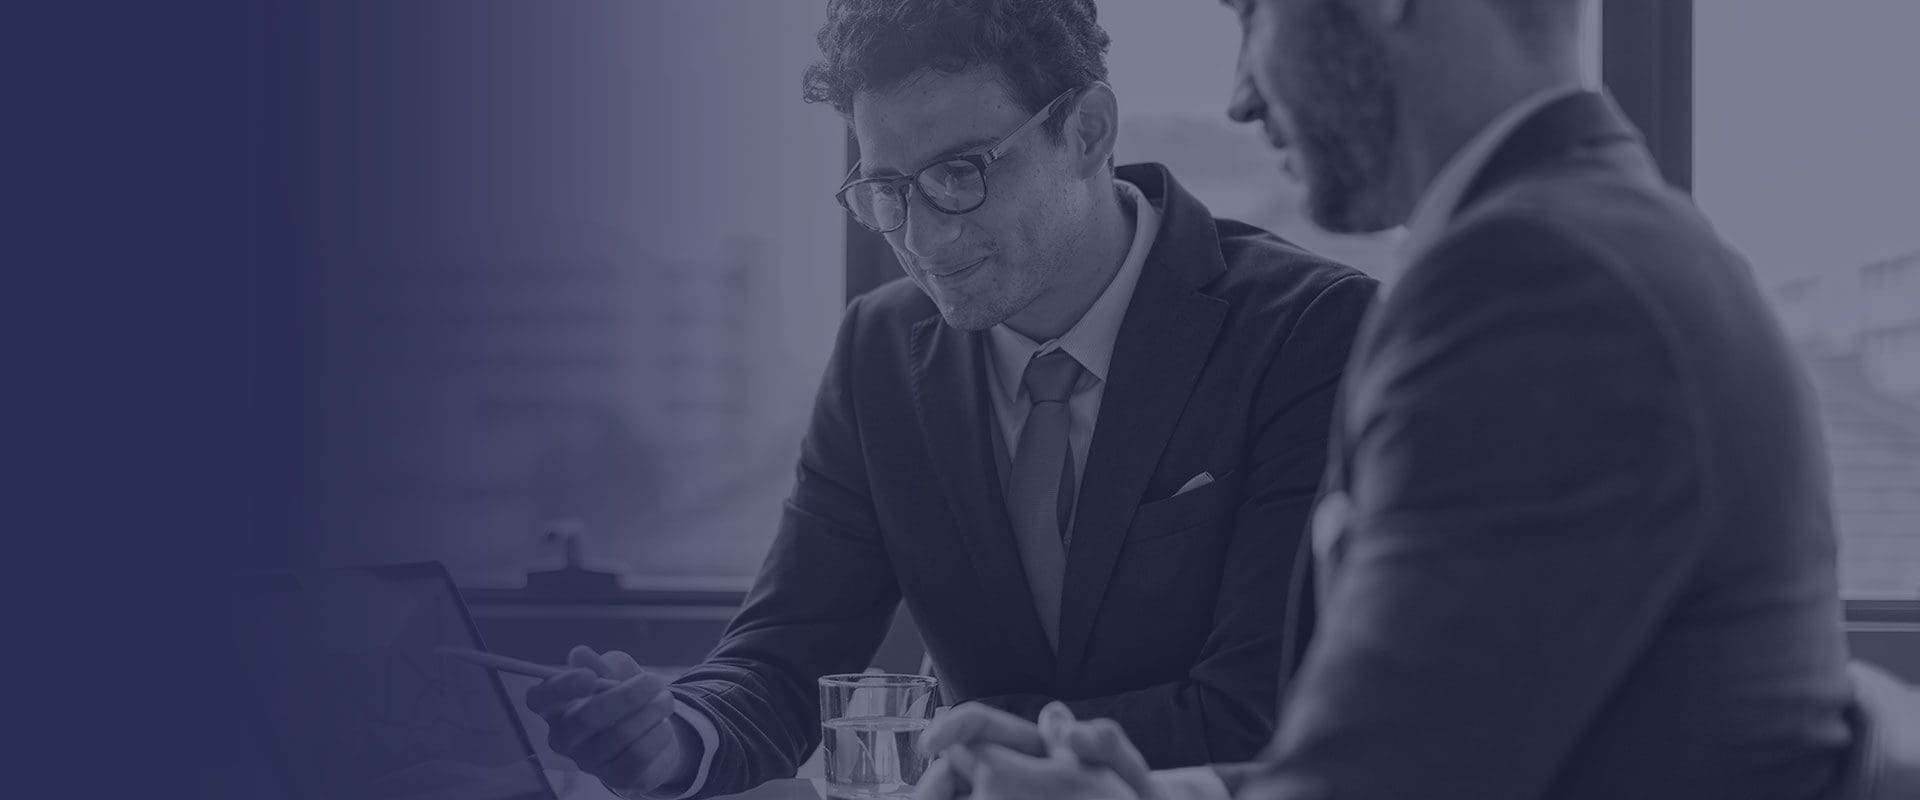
(1041, 48)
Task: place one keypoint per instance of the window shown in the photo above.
(1172, 66)
(1807, 156)
(578, 270)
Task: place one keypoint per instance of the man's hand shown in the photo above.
(627, 735)
(975, 723)
(991, 755)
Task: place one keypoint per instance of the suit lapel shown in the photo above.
(950, 396)
(1163, 343)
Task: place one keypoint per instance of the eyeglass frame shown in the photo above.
(980, 162)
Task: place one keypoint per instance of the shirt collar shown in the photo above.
(1437, 205)
(1090, 341)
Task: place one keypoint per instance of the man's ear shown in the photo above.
(1093, 128)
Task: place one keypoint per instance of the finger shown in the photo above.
(1002, 773)
(984, 784)
(940, 782)
(601, 711)
(963, 759)
(1102, 742)
(620, 738)
(1054, 721)
(620, 666)
(555, 694)
(644, 772)
(585, 657)
(973, 722)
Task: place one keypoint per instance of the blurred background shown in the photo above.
(574, 270)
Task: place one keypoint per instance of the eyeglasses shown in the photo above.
(953, 185)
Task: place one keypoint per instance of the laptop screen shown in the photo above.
(359, 703)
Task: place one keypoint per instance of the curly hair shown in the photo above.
(1042, 48)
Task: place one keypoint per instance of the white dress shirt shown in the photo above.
(1090, 341)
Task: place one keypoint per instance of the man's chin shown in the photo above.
(974, 316)
(980, 311)
(967, 321)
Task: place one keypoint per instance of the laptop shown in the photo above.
(355, 702)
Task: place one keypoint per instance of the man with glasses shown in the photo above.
(1080, 441)
(1576, 541)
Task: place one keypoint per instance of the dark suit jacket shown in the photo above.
(1590, 555)
(1227, 362)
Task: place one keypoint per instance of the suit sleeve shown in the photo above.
(820, 605)
(1224, 708)
(1525, 509)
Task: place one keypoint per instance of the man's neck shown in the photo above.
(1435, 122)
(1079, 283)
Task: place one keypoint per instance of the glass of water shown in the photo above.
(871, 725)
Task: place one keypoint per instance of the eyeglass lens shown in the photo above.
(951, 186)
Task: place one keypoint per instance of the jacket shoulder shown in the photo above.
(1266, 274)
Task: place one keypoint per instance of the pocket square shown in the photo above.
(1195, 482)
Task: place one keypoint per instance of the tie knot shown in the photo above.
(1050, 378)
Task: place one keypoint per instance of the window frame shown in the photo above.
(1646, 62)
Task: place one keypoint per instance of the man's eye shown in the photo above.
(946, 177)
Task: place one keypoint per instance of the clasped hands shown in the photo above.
(987, 754)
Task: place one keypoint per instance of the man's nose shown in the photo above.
(927, 230)
(1246, 105)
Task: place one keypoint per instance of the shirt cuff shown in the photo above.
(709, 742)
(1191, 783)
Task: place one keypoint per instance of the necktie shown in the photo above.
(1041, 487)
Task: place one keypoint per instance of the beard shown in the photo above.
(1344, 119)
